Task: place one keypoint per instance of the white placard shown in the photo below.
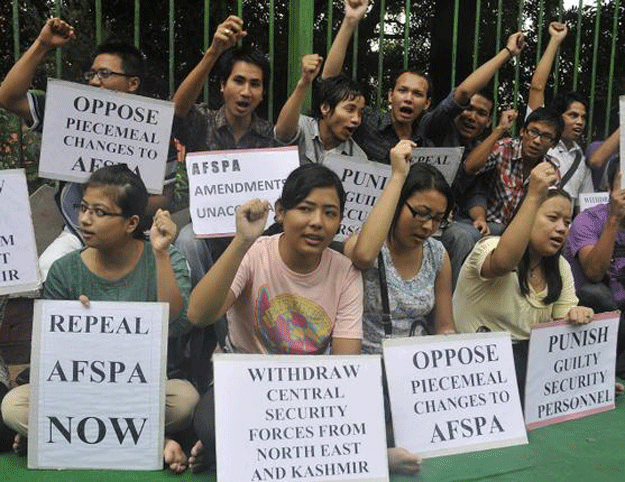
(446, 159)
(570, 370)
(363, 182)
(590, 199)
(299, 417)
(621, 101)
(86, 128)
(220, 181)
(19, 271)
(453, 394)
(97, 385)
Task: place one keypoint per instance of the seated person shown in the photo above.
(338, 112)
(602, 154)
(508, 164)
(396, 245)
(116, 66)
(243, 75)
(117, 264)
(575, 172)
(409, 98)
(323, 290)
(407, 275)
(513, 282)
(596, 251)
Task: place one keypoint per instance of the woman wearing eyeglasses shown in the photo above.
(118, 264)
(407, 274)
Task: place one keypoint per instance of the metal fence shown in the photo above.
(396, 33)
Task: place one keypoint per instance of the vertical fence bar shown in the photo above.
(59, 51)
(330, 25)
(476, 30)
(137, 21)
(454, 46)
(378, 97)
(407, 34)
(272, 33)
(16, 30)
(171, 47)
(240, 9)
(301, 20)
(517, 67)
(496, 81)
(355, 54)
(539, 28)
(617, 6)
(206, 40)
(593, 79)
(98, 22)
(16, 55)
(578, 42)
(556, 74)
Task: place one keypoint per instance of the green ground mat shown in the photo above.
(588, 449)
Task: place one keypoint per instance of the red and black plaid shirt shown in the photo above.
(507, 184)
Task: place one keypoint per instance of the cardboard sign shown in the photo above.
(298, 418)
(453, 394)
(446, 159)
(87, 128)
(220, 181)
(19, 271)
(97, 385)
(570, 370)
(590, 199)
(363, 182)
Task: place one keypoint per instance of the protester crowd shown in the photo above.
(490, 252)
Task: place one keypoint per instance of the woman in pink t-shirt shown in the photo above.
(286, 293)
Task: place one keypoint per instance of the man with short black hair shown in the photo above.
(116, 66)
(575, 172)
(337, 114)
(509, 162)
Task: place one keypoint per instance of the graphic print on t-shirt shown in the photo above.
(291, 324)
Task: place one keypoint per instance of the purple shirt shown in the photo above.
(585, 231)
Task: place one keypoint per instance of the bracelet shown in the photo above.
(509, 51)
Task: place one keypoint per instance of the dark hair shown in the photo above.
(244, 53)
(129, 191)
(333, 90)
(547, 116)
(132, 59)
(563, 101)
(398, 73)
(304, 179)
(487, 93)
(550, 264)
(422, 177)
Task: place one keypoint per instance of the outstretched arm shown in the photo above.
(606, 149)
(483, 74)
(514, 240)
(13, 90)
(354, 12)
(226, 36)
(479, 155)
(286, 124)
(363, 248)
(558, 32)
(212, 296)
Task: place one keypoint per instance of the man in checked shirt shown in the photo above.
(506, 164)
